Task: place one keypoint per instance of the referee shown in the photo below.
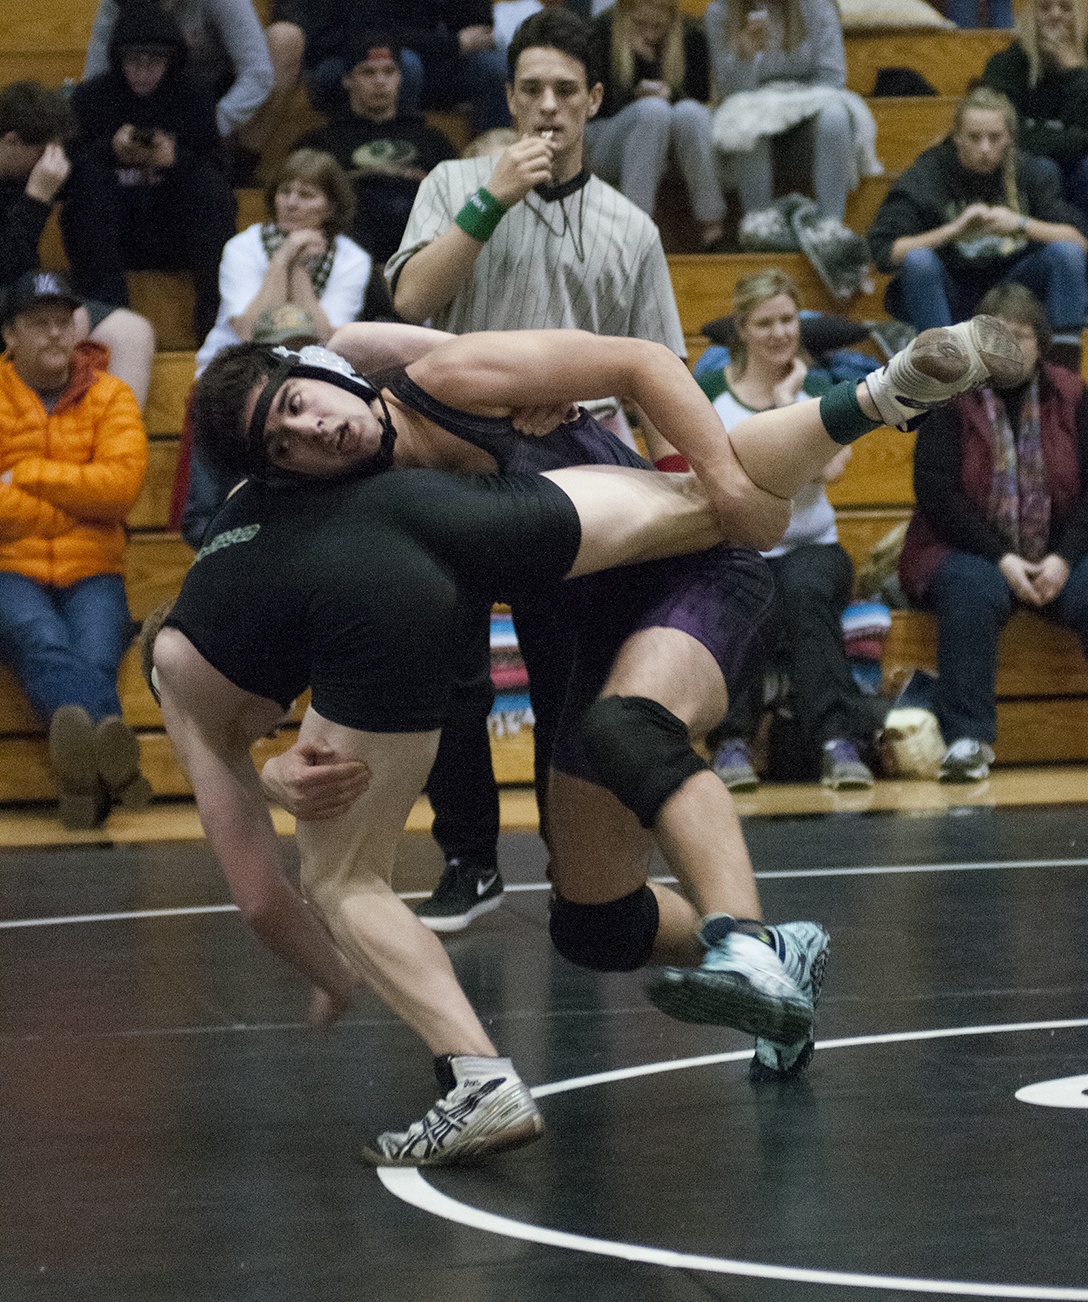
(531, 241)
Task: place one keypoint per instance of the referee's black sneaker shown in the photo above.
(464, 891)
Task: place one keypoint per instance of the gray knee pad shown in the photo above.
(640, 750)
(614, 937)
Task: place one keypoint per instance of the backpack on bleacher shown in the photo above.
(794, 224)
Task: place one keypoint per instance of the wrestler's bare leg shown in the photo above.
(631, 515)
(780, 455)
(600, 852)
(347, 866)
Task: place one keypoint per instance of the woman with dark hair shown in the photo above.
(1001, 486)
(974, 212)
(1044, 72)
(655, 72)
(300, 255)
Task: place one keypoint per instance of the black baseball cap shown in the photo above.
(34, 287)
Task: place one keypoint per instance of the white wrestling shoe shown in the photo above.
(803, 949)
(487, 1111)
(943, 362)
(741, 983)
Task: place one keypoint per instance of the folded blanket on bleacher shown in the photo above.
(746, 116)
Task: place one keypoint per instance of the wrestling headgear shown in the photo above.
(314, 363)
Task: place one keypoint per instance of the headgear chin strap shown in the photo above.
(314, 363)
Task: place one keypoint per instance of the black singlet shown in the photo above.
(354, 588)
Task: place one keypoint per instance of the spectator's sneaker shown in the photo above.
(966, 760)
(84, 799)
(741, 983)
(803, 949)
(842, 768)
(465, 891)
(942, 362)
(733, 764)
(117, 753)
(487, 1111)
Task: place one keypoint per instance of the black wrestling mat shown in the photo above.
(171, 1130)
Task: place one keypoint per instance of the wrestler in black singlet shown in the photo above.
(355, 587)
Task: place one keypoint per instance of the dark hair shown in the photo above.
(362, 44)
(319, 169)
(36, 115)
(217, 410)
(1016, 302)
(554, 29)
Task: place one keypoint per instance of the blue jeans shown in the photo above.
(964, 13)
(65, 644)
(1071, 178)
(478, 79)
(972, 602)
(924, 294)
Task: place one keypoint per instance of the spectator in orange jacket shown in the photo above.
(73, 453)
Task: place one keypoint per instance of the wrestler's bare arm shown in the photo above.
(312, 782)
(346, 862)
(375, 346)
(212, 724)
(491, 373)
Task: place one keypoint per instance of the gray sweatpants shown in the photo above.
(631, 150)
(822, 147)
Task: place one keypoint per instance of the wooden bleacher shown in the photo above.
(1043, 682)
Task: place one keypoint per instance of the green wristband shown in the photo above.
(480, 215)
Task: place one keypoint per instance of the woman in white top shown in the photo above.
(299, 256)
(813, 575)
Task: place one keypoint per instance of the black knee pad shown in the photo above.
(640, 750)
(614, 937)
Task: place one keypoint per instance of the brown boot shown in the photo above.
(117, 757)
(84, 798)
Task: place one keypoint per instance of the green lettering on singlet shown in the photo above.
(246, 533)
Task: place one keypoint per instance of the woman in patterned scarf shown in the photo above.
(300, 256)
(1001, 486)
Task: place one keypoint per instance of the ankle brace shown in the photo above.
(842, 415)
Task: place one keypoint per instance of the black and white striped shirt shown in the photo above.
(584, 259)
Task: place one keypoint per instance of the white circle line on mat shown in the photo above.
(408, 1184)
